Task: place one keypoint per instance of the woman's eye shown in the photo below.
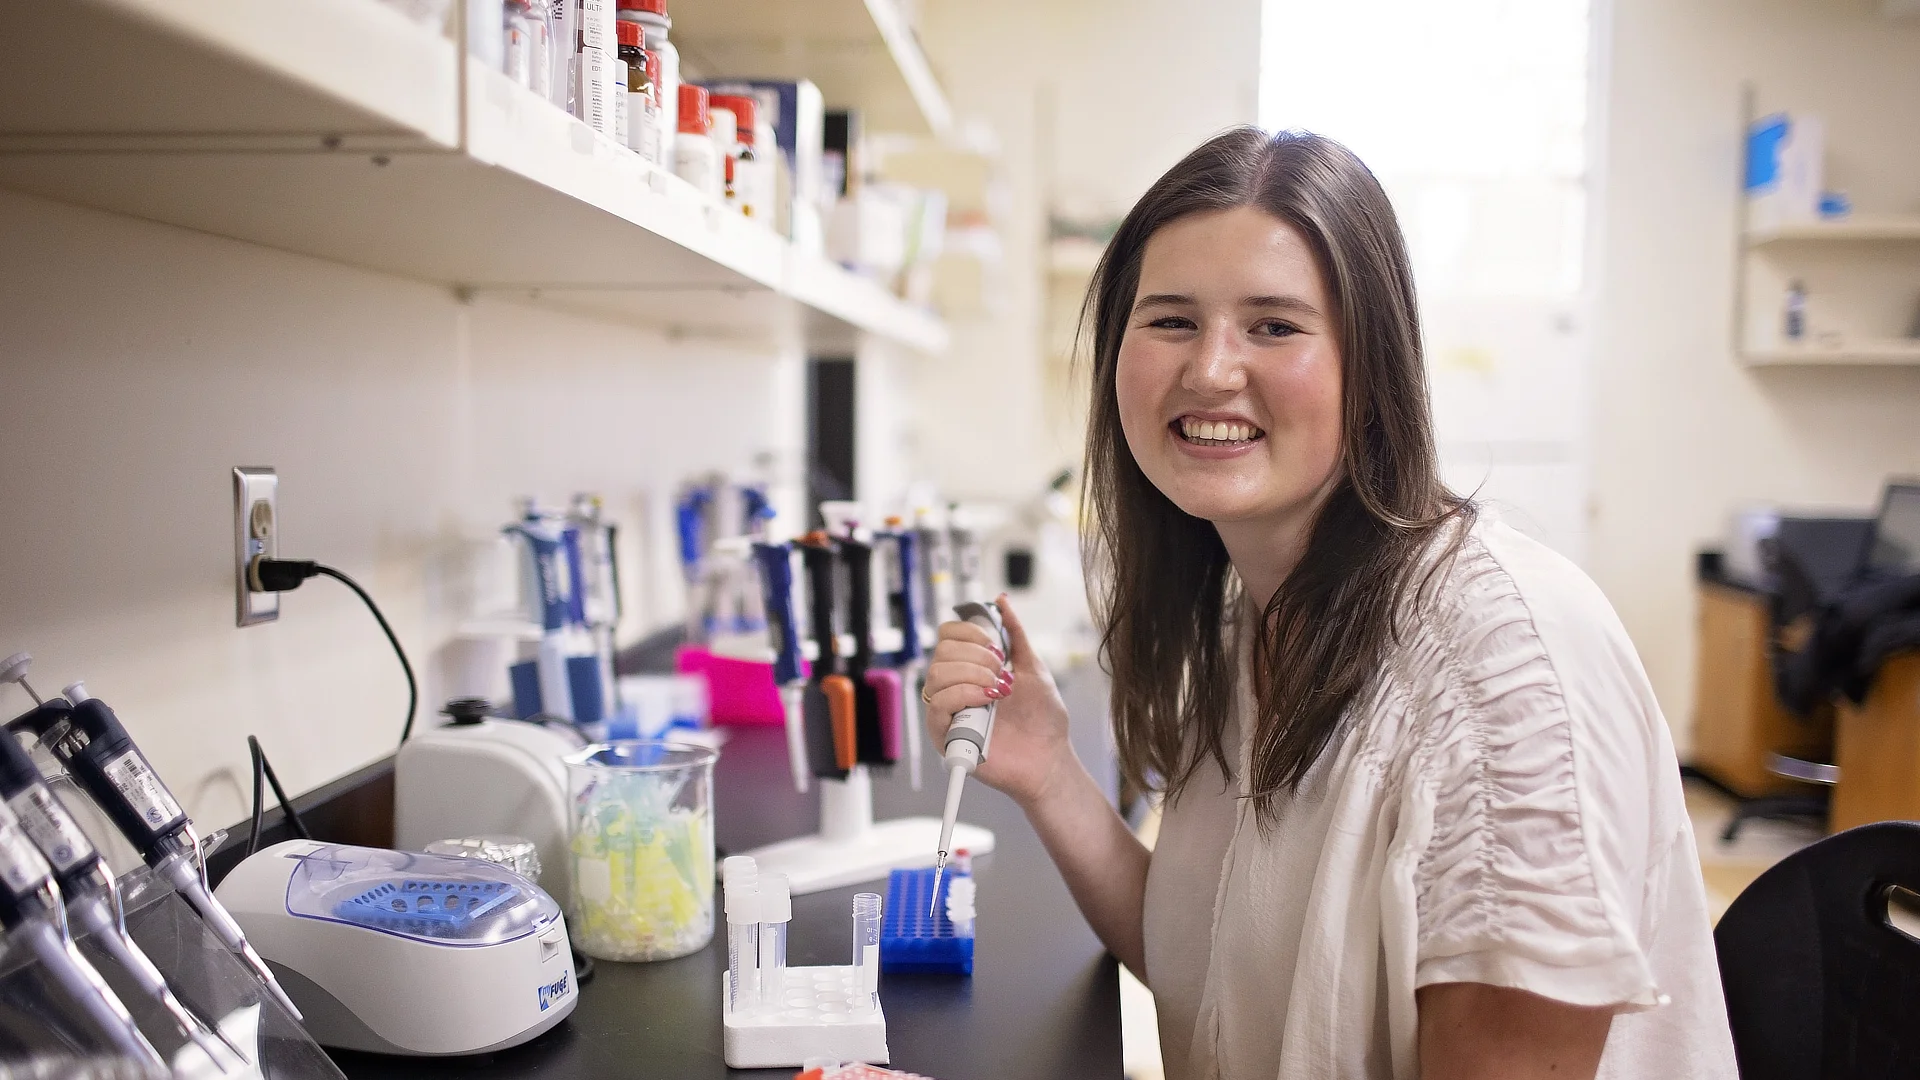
(1275, 328)
(1172, 322)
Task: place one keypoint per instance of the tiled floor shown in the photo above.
(1727, 868)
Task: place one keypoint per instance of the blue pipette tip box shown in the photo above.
(910, 939)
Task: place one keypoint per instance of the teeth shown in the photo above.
(1217, 431)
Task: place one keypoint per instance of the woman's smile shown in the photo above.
(1213, 436)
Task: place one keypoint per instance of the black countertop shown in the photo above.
(1044, 999)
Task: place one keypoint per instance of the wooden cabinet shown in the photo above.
(1878, 744)
(1737, 721)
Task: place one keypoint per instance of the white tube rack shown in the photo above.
(816, 1019)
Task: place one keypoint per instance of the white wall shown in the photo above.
(141, 362)
(1091, 101)
(1683, 434)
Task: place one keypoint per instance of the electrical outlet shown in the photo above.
(256, 532)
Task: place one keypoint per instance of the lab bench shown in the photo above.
(1043, 1002)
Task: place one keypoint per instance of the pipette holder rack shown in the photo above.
(851, 847)
(816, 1018)
(210, 980)
(911, 939)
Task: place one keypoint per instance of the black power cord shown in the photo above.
(284, 575)
(261, 766)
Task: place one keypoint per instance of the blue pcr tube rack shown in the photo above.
(910, 939)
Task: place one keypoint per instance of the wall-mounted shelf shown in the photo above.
(1844, 354)
(861, 53)
(1853, 282)
(524, 201)
(1891, 228)
(197, 74)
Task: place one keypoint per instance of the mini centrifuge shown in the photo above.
(399, 952)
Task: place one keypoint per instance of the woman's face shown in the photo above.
(1229, 374)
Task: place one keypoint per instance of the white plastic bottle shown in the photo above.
(725, 131)
(652, 15)
(1794, 324)
(694, 157)
(593, 63)
(643, 109)
(620, 102)
(540, 58)
(750, 175)
(517, 43)
(486, 36)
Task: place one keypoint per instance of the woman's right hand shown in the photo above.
(1029, 742)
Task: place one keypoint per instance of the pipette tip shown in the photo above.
(203, 1033)
(939, 871)
(199, 1030)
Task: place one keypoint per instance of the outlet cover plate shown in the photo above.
(256, 531)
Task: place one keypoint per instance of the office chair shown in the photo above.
(1857, 587)
(1809, 560)
(1818, 982)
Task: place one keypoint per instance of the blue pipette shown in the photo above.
(775, 563)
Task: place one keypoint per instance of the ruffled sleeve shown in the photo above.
(1532, 789)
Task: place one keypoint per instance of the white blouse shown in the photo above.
(1503, 807)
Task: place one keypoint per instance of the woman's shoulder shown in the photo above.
(1539, 763)
(1498, 578)
(1508, 635)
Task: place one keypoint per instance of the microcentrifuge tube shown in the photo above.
(866, 952)
(743, 927)
(776, 911)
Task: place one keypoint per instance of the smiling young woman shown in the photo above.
(1422, 815)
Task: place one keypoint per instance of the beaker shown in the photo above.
(640, 849)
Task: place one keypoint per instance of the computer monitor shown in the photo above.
(1894, 546)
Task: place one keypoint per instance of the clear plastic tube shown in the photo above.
(740, 878)
(776, 911)
(773, 964)
(743, 973)
(866, 952)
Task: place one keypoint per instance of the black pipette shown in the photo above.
(93, 901)
(35, 921)
(99, 754)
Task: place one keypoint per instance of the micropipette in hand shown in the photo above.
(967, 738)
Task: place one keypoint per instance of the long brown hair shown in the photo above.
(1163, 587)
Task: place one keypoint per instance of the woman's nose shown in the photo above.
(1216, 366)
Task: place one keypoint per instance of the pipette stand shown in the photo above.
(851, 847)
(816, 1019)
(37, 1020)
